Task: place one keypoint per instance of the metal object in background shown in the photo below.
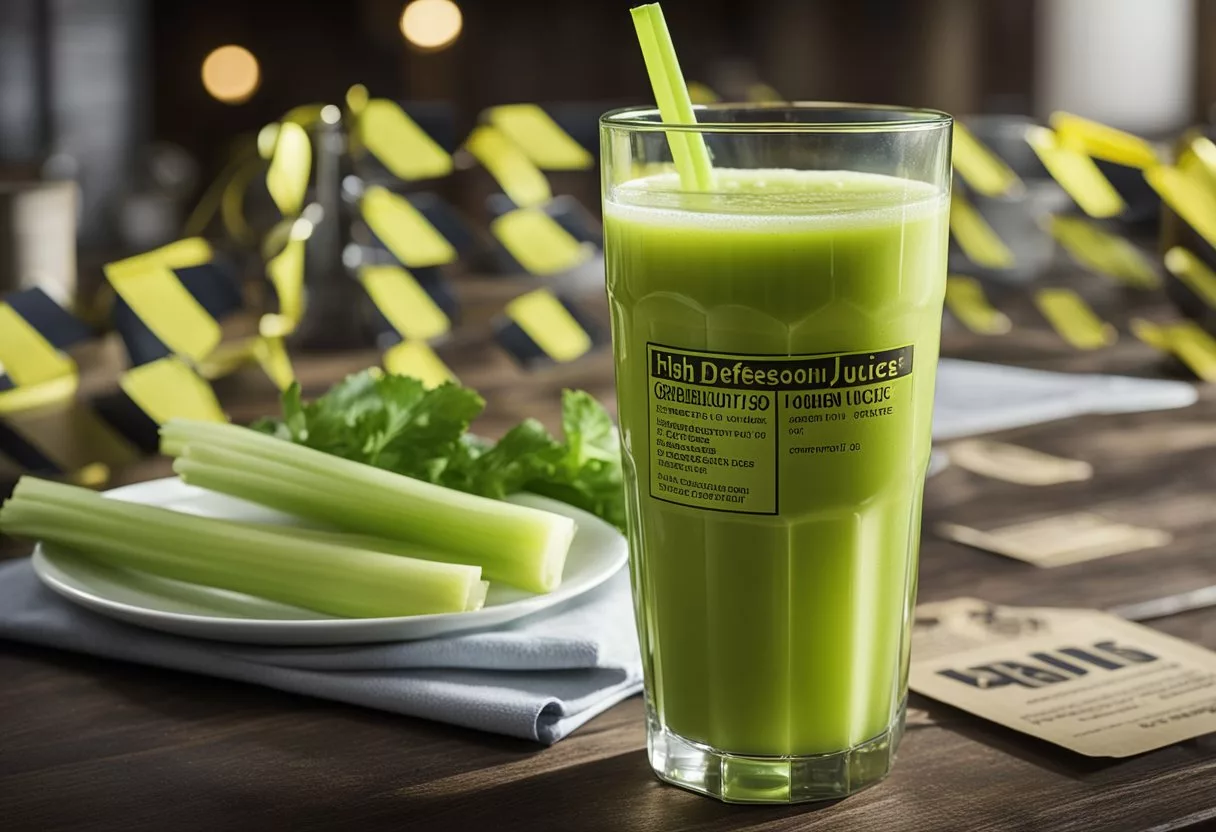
(38, 238)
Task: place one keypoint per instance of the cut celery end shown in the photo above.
(520, 545)
(332, 579)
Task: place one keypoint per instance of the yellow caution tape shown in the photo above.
(976, 237)
(1195, 347)
(1071, 317)
(160, 300)
(271, 325)
(514, 172)
(1188, 197)
(982, 169)
(27, 357)
(169, 389)
(183, 254)
(290, 168)
(1099, 251)
(406, 305)
(267, 137)
(1188, 341)
(72, 436)
(1102, 142)
(550, 325)
(1193, 273)
(304, 115)
(416, 359)
(38, 396)
(226, 358)
(1198, 155)
(700, 93)
(538, 242)
(271, 354)
(540, 137)
(1154, 335)
(1076, 173)
(966, 300)
(762, 93)
(399, 143)
(404, 230)
(357, 98)
(286, 273)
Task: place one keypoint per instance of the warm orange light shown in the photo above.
(431, 24)
(231, 74)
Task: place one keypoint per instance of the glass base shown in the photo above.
(735, 778)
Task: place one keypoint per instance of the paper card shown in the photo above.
(1077, 174)
(1071, 317)
(1090, 682)
(976, 237)
(1013, 463)
(966, 300)
(982, 169)
(946, 627)
(1061, 540)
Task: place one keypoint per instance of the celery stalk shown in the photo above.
(337, 580)
(519, 545)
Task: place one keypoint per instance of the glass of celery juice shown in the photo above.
(776, 339)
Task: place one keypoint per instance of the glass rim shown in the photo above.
(648, 119)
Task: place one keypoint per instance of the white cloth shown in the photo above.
(973, 397)
(539, 679)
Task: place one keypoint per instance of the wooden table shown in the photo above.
(89, 744)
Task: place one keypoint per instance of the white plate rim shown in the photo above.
(441, 623)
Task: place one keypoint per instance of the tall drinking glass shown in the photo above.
(776, 340)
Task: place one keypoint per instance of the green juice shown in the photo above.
(776, 343)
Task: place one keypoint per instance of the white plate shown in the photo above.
(597, 553)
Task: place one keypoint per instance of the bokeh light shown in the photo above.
(231, 74)
(431, 24)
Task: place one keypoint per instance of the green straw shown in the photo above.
(671, 94)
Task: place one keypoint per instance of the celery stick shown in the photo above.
(338, 580)
(492, 569)
(523, 546)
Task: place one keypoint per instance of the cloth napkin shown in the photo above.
(538, 680)
(547, 674)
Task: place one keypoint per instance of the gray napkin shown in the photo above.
(539, 679)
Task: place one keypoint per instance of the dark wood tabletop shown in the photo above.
(92, 744)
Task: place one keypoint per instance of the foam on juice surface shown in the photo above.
(774, 199)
